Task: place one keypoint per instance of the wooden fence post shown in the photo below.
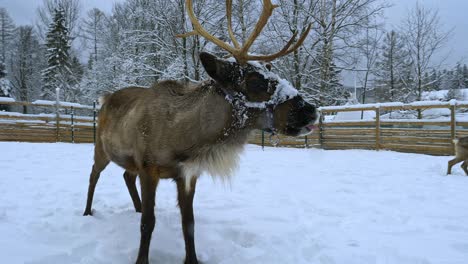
(263, 140)
(321, 130)
(453, 123)
(72, 126)
(94, 122)
(377, 128)
(57, 115)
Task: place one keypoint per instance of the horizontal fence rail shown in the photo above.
(50, 121)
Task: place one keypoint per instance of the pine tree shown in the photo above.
(434, 81)
(459, 77)
(465, 74)
(57, 74)
(449, 82)
(446, 80)
(5, 87)
(392, 69)
(6, 35)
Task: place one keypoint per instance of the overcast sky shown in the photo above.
(453, 14)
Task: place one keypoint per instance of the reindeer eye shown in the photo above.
(256, 83)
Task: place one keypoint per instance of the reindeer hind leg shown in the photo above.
(464, 167)
(451, 163)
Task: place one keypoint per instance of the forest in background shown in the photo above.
(89, 52)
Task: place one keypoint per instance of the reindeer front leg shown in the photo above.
(185, 197)
(149, 178)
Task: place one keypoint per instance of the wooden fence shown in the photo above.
(50, 122)
(68, 122)
(427, 136)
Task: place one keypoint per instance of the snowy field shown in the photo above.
(283, 206)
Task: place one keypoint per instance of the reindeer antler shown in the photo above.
(238, 52)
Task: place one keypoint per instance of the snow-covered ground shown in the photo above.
(283, 206)
(442, 95)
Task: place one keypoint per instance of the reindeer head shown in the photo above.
(251, 83)
(255, 87)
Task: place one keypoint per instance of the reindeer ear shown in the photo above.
(220, 70)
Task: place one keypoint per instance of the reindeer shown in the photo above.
(177, 130)
(461, 154)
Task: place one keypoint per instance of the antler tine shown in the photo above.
(229, 21)
(267, 11)
(199, 30)
(285, 50)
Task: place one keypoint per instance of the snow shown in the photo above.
(429, 103)
(441, 95)
(16, 114)
(391, 104)
(6, 99)
(354, 115)
(63, 104)
(283, 206)
(5, 87)
(52, 117)
(345, 107)
(283, 92)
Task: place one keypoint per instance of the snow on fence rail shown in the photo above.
(70, 122)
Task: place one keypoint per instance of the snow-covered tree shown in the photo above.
(92, 28)
(46, 13)
(459, 77)
(368, 50)
(434, 80)
(7, 29)
(447, 81)
(57, 74)
(334, 93)
(25, 65)
(392, 69)
(6, 34)
(138, 44)
(5, 87)
(298, 67)
(465, 74)
(451, 83)
(424, 36)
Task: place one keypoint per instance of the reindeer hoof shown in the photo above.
(88, 212)
(138, 209)
(191, 262)
(142, 261)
